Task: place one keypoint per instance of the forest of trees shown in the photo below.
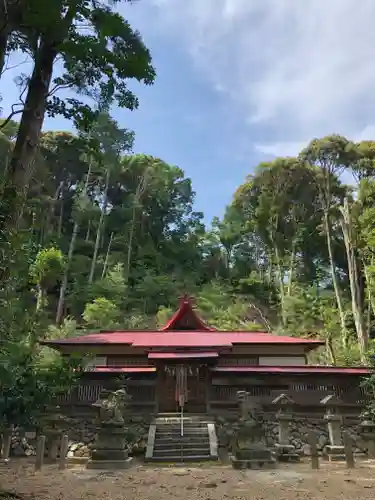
(95, 237)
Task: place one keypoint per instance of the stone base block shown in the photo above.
(291, 457)
(72, 461)
(107, 454)
(260, 454)
(109, 464)
(253, 464)
(287, 453)
(335, 453)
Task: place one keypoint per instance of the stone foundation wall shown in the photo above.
(82, 433)
(299, 430)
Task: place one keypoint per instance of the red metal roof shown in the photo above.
(182, 355)
(186, 309)
(295, 369)
(182, 339)
(123, 369)
(169, 337)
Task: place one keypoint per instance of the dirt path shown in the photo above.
(290, 482)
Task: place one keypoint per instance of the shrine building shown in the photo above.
(186, 362)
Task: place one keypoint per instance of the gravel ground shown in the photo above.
(288, 482)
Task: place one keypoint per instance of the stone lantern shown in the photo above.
(335, 450)
(285, 451)
(367, 430)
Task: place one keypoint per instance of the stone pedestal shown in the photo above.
(335, 453)
(110, 451)
(367, 430)
(257, 457)
(287, 453)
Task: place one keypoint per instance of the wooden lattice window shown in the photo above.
(127, 361)
(239, 361)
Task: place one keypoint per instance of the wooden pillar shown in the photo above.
(208, 389)
(158, 383)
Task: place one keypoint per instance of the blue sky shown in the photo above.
(241, 81)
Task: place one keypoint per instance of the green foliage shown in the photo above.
(48, 267)
(102, 314)
(27, 386)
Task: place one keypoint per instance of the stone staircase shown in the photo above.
(165, 443)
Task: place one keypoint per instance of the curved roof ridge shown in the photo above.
(186, 308)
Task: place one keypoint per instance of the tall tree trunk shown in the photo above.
(340, 306)
(138, 195)
(4, 34)
(130, 242)
(52, 210)
(98, 232)
(64, 283)
(369, 285)
(88, 231)
(329, 350)
(61, 215)
(355, 289)
(105, 266)
(21, 167)
(40, 299)
(10, 20)
(292, 262)
(281, 284)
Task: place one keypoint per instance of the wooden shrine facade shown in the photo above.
(214, 365)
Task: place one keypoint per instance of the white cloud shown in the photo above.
(295, 69)
(281, 148)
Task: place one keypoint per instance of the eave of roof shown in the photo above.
(188, 339)
(182, 355)
(296, 369)
(123, 369)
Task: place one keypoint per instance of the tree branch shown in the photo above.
(58, 87)
(12, 114)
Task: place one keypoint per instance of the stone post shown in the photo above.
(39, 459)
(367, 430)
(335, 450)
(312, 440)
(348, 446)
(285, 451)
(7, 443)
(64, 445)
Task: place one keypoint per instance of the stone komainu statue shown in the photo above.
(111, 405)
(250, 432)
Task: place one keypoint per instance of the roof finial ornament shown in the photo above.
(186, 299)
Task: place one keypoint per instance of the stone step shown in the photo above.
(177, 421)
(168, 441)
(177, 432)
(170, 446)
(187, 423)
(180, 446)
(201, 450)
(187, 416)
(177, 428)
(179, 458)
